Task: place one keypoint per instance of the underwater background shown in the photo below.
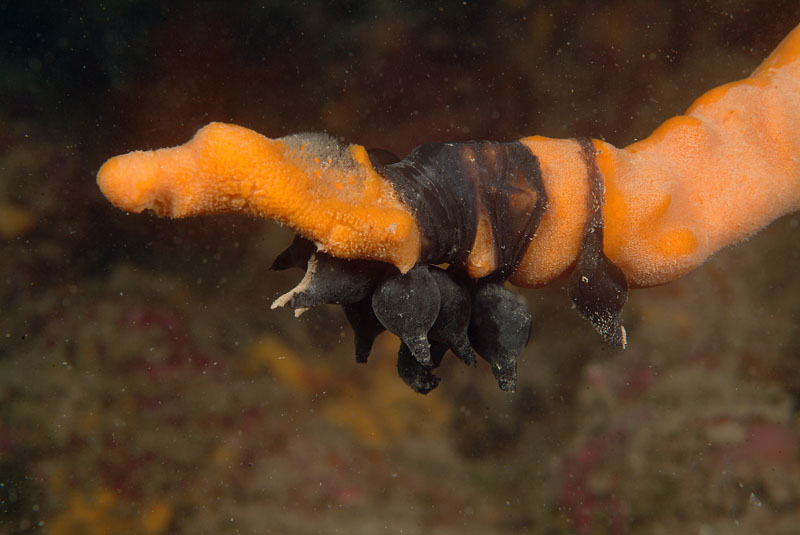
(146, 387)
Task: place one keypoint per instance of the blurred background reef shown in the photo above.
(145, 386)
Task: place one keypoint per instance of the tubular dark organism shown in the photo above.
(598, 287)
(450, 188)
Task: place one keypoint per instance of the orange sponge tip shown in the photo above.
(327, 192)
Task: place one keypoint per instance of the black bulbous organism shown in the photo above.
(431, 310)
(450, 187)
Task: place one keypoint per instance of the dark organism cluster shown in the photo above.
(429, 308)
(433, 309)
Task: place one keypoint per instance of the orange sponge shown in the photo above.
(322, 190)
(700, 182)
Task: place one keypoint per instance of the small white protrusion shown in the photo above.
(282, 300)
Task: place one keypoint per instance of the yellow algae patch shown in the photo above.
(324, 191)
(15, 221)
(156, 517)
(273, 355)
(393, 410)
(103, 512)
(89, 515)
